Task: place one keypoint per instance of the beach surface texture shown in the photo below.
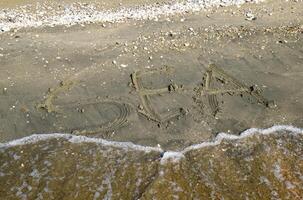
(140, 99)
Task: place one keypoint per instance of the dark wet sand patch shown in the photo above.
(86, 73)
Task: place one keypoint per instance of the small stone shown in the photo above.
(271, 104)
(250, 16)
(172, 87)
(114, 62)
(171, 34)
(254, 89)
(140, 107)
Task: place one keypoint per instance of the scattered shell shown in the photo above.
(250, 16)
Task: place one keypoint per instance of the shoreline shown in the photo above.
(129, 146)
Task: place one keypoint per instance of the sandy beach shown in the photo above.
(4, 4)
(86, 86)
(122, 72)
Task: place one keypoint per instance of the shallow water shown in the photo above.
(263, 163)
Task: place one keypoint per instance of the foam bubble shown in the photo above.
(171, 156)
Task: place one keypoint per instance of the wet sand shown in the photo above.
(79, 79)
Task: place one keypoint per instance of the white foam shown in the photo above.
(170, 156)
(248, 133)
(71, 15)
(78, 139)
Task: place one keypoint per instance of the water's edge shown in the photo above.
(169, 155)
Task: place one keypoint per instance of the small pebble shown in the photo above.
(250, 16)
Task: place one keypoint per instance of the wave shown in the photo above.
(25, 18)
(172, 156)
(77, 139)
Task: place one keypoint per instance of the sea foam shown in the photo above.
(169, 156)
(35, 138)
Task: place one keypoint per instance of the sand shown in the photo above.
(4, 4)
(78, 79)
(140, 103)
